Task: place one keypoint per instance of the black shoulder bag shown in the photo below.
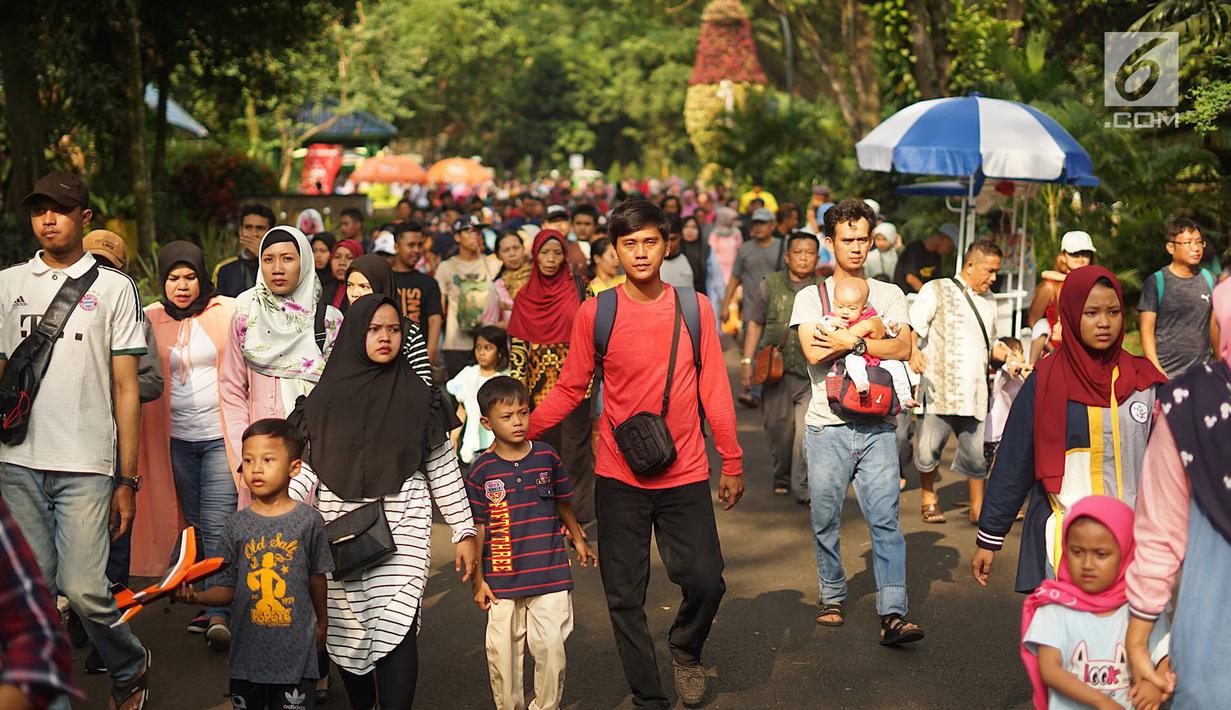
(644, 439)
(28, 362)
(359, 540)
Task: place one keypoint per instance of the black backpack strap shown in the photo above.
(51, 325)
(686, 297)
(318, 323)
(604, 322)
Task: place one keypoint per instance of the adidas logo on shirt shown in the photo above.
(21, 301)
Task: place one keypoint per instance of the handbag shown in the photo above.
(644, 439)
(767, 365)
(358, 540)
(28, 362)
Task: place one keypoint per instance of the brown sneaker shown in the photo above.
(690, 682)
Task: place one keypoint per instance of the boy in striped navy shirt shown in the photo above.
(519, 495)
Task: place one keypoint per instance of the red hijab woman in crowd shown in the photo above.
(539, 332)
(1078, 427)
(1183, 525)
(344, 252)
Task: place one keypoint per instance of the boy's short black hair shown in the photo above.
(277, 429)
(801, 234)
(1176, 227)
(354, 213)
(635, 215)
(408, 227)
(586, 208)
(259, 210)
(501, 389)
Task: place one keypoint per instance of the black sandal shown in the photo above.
(896, 631)
(824, 610)
(140, 685)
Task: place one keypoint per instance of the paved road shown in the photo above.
(765, 650)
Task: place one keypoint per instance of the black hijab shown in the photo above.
(367, 424)
(375, 268)
(325, 274)
(187, 254)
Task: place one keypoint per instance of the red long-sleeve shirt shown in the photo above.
(635, 373)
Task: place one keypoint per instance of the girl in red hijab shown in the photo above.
(539, 332)
(1079, 427)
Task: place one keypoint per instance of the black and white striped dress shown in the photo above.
(370, 616)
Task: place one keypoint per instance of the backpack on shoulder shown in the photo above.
(644, 439)
(29, 360)
(881, 399)
(1158, 283)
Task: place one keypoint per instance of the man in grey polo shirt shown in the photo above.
(60, 482)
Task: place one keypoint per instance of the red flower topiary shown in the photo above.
(725, 49)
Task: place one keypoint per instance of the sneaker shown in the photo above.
(218, 637)
(690, 683)
(94, 663)
(199, 624)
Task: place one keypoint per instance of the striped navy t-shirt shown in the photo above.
(523, 550)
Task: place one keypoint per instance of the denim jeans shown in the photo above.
(206, 492)
(64, 517)
(867, 455)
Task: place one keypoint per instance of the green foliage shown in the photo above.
(210, 183)
(975, 33)
(895, 56)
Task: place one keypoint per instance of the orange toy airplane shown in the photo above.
(185, 570)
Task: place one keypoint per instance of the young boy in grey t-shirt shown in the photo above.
(277, 557)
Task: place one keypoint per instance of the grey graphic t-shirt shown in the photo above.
(269, 561)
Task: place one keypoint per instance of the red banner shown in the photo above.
(320, 168)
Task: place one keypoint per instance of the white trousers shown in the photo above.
(543, 622)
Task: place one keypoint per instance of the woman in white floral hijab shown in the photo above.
(275, 353)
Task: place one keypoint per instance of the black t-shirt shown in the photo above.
(417, 296)
(917, 260)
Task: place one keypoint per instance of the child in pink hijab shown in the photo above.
(1074, 627)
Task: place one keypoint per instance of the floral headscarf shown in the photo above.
(276, 333)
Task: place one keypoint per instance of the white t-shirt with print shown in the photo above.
(889, 303)
(1092, 648)
(460, 279)
(72, 425)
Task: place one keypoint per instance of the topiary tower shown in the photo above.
(726, 65)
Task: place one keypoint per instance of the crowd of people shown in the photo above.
(545, 368)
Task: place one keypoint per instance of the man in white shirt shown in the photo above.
(841, 450)
(60, 482)
(955, 335)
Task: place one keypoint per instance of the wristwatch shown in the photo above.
(746, 361)
(134, 482)
(860, 347)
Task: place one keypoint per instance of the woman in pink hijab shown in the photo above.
(1183, 530)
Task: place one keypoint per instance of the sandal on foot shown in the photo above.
(138, 687)
(828, 610)
(932, 515)
(896, 631)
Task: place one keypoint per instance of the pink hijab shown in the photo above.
(1117, 517)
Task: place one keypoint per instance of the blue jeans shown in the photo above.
(866, 454)
(65, 517)
(207, 494)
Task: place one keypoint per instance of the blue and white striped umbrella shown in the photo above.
(963, 135)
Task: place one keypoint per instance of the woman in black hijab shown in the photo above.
(371, 273)
(184, 455)
(322, 250)
(391, 445)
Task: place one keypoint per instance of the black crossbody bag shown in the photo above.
(29, 360)
(358, 540)
(644, 439)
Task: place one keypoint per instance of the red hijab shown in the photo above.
(356, 250)
(1117, 517)
(544, 308)
(1078, 373)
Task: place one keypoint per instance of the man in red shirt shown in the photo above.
(675, 505)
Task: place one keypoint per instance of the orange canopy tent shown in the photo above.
(389, 169)
(453, 171)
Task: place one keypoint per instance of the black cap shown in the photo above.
(555, 212)
(469, 222)
(64, 189)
